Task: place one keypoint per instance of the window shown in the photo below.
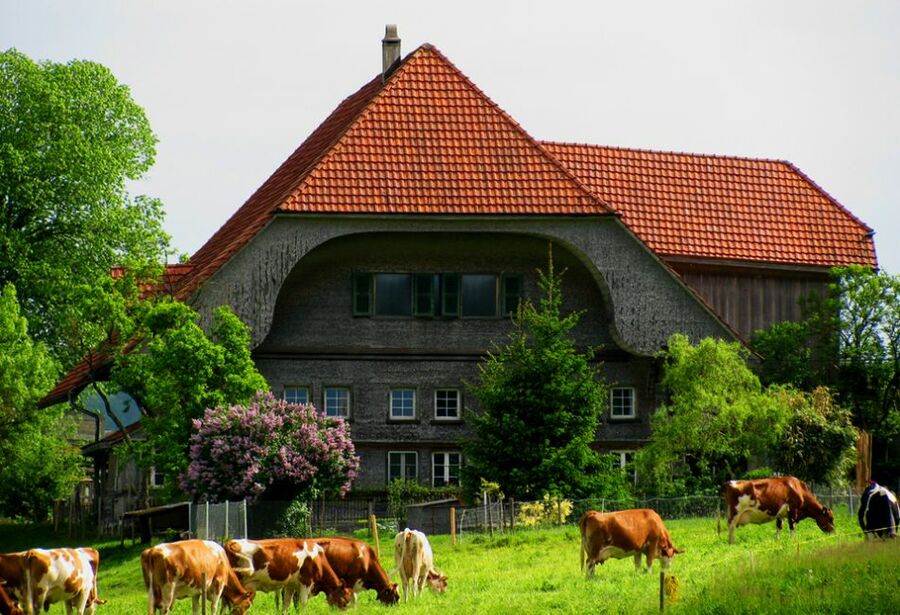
(392, 294)
(479, 295)
(403, 404)
(621, 400)
(446, 404)
(445, 469)
(626, 462)
(362, 294)
(157, 479)
(450, 294)
(512, 293)
(402, 465)
(337, 401)
(425, 291)
(296, 395)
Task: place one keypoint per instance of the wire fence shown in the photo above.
(244, 519)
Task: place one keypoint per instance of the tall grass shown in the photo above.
(537, 571)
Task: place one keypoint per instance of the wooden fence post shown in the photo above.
(512, 514)
(662, 591)
(453, 525)
(373, 525)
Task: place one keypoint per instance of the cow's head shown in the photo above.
(825, 519)
(437, 581)
(666, 554)
(242, 603)
(340, 597)
(389, 594)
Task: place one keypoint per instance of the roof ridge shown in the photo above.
(639, 150)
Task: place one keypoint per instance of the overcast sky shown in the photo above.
(232, 88)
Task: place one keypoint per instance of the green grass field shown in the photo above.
(537, 571)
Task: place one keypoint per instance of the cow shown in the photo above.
(7, 606)
(176, 569)
(354, 561)
(415, 561)
(55, 575)
(623, 533)
(879, 513)
(764, 499)
(12, 574)
(287, 566)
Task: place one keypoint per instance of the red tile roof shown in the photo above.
(718, 207)
(427, 141)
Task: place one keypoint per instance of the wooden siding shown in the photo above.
(753, 300)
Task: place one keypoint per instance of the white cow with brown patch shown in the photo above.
(415, 562)
(61, 575)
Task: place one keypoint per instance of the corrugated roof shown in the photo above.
(720, 207)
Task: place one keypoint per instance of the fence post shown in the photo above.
(512, 514)
(453, 525)
(206, 529)
(558, 511)
(662, 591)
(245, 520)
(373, 525)
(225, 533)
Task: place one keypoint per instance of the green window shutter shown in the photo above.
(512, 292)
(362, 294)
(450, 294)
(423, 294)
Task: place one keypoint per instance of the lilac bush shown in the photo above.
(244, 451)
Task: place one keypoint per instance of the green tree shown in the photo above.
(817, 443)
(786, 354)
(540, 401)
(39, 464)
(71, 137)
(718, 419)
(177, 370)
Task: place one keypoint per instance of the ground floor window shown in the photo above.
(402, 465)
(626, 462)
(445, 469)
(296, 395)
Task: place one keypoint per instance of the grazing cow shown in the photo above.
(354, 561)
(175, 570)
(54, 575)
(765, 499)
(415, 561)
(287, 566)
(7, 606)
(12, 574)
(879, 513)
(623, 533)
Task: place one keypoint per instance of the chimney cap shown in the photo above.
(390, 34)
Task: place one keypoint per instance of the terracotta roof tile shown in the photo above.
(703, 206)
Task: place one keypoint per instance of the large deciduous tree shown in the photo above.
(269, 448)
(71, 137)
(540, 401)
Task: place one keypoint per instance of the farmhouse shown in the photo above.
(381, 259)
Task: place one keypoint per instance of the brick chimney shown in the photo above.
(390, 50)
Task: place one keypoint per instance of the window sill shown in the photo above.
(623, 419)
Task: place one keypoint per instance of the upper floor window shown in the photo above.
(445, 469)
(426, 295)
(403, 404)
(621, 403)
(296, 395)
(446, 404)
(402, 465)
(337, 401)
(157, 478)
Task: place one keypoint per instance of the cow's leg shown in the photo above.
(732, 523)
(779, 523)
(791, 525)
(652, 550)
(637, 561)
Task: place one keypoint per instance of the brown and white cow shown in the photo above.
(12, 574)
(61, 575)
(766, 499)
(354, 561)
(622, 534)
(7, 606)
(175, 570)
(287, 566)
(415, 562)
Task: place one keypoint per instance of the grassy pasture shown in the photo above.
(537, 571)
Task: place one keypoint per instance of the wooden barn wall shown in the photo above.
(754, 301)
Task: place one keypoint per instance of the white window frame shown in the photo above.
(403, 476)
(325, 407)
(401, 417)
(296, 387)
(458, 404)
(624, 461)
(612, 405)
(446, 464)
(152, 478)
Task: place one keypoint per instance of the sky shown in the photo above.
(232, 88)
